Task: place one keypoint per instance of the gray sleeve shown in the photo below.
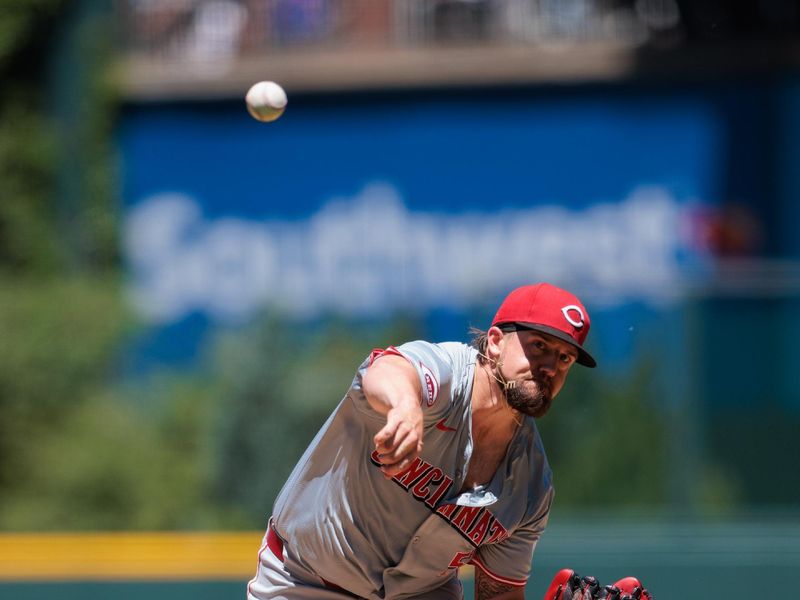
(436, 366)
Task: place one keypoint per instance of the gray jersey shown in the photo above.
(380, 538)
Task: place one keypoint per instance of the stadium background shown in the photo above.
(184, 292)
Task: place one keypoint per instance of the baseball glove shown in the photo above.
(568, 585)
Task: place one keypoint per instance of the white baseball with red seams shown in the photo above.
(266, 101)
(344, 525)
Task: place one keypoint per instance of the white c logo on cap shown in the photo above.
(576, 324)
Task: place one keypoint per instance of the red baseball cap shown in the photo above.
(549, 309)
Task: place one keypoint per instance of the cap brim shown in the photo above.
(584, 358)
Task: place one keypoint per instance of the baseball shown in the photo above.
(266, 101)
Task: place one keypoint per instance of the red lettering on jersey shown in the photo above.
(479, 529)
(466, 516)
(420, 491)
(461, 559)
(417, 469)
(429, 484)
(497, 533)
(475, 523)
(447, 510)
(444, 485)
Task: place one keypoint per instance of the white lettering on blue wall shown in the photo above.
(370, 255)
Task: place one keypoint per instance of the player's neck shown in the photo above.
(493, 427)
(491, 415)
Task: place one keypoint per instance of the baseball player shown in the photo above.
(431, 461)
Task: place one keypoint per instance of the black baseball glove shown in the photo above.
(568, 585)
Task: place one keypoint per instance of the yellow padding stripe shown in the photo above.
(128, 556)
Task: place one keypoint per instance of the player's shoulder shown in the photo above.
(445, 350)
(456, 348)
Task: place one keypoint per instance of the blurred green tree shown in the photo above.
(61, 318)
(608, 443)
(28, 234)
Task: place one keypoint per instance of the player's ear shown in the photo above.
(494, 342)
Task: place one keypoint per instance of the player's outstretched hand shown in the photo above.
(400, 440)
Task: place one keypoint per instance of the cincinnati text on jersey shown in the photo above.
(429, 484)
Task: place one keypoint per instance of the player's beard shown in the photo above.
(531, 397)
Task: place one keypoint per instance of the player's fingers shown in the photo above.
(393, 433)
(408, 445)
(384, 439)
(401, 457)
(400, 440)
(390, 471)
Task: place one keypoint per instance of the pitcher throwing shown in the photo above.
(430, 462)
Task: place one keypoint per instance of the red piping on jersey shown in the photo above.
(274, 542)
(441, 426)
(507, 580)
(378, 352)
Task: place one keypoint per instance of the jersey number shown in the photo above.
(461, 559)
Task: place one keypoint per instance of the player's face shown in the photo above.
(539, 363)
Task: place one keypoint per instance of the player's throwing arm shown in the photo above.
(392, 388)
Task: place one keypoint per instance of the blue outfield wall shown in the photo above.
(436, 203)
